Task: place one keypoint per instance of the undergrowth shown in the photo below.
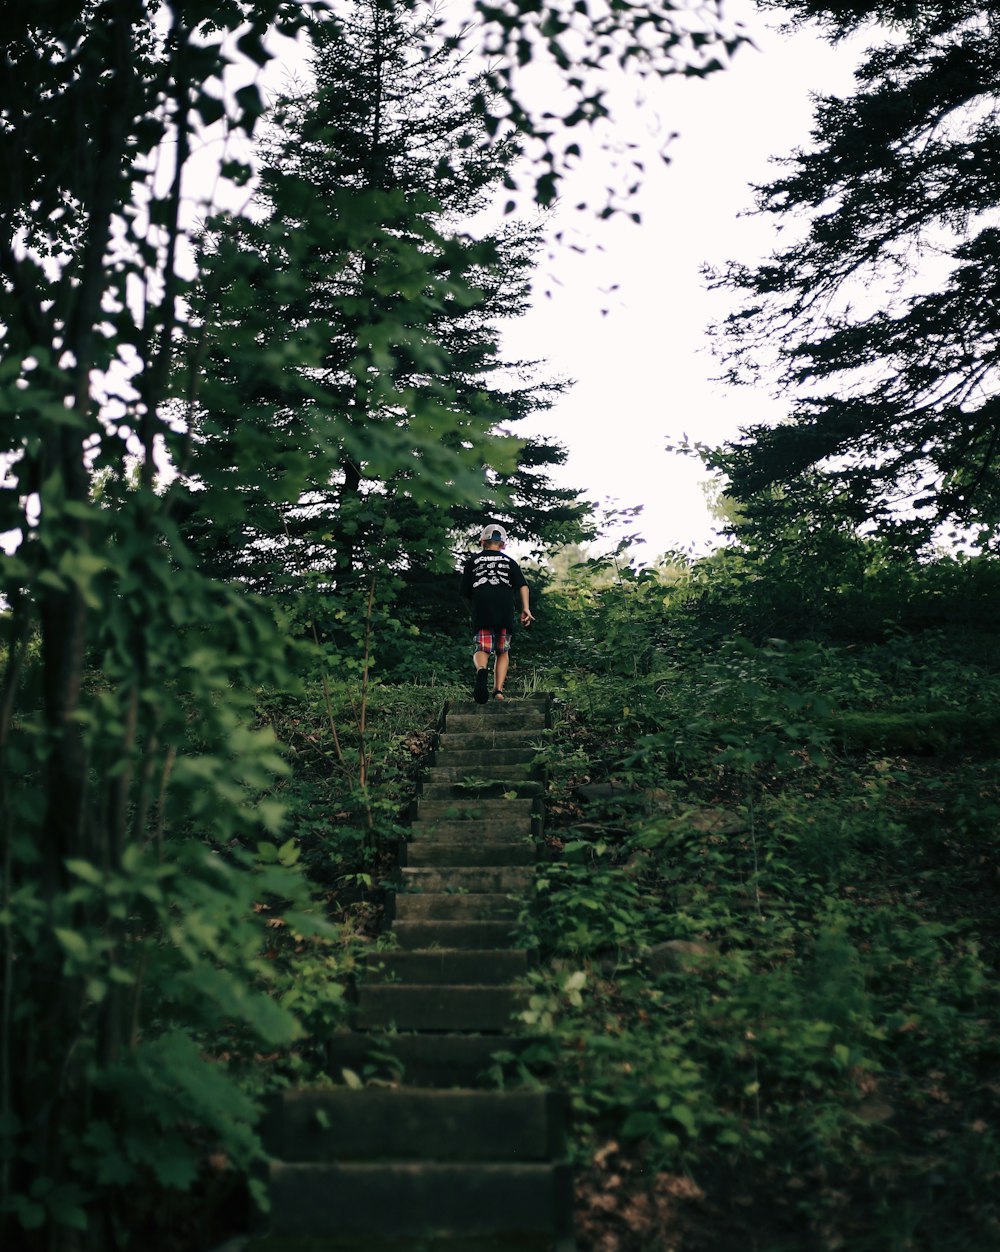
(341, 805)
(768, 959)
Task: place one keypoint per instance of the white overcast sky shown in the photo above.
(643, 368)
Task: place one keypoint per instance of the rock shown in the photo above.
(677, 956)
(713, 821)
(874, 1111)
(658, 800)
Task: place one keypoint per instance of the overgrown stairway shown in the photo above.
(444, 1160)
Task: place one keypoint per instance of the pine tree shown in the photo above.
(881, 318)
(367, 178)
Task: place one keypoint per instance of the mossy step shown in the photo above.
(428, 1060)
(414, 1124)
(429, 851)
(448, 906)
(465, 791)
(352, 1243)
(492, 879)
(488, 770)
(477, 722)
(420, 1199)
(472, 809)
(443, 966)
(496, 830)
(536, 700)
(494, 736)
(425, 1006)
(454, 933)
(493, 755)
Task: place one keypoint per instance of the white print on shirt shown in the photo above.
(495, 573)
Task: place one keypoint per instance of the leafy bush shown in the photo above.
(772, 948)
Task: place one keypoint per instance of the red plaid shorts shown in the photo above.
(491, 640)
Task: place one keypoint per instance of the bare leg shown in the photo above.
(500, 670)
(480, 691)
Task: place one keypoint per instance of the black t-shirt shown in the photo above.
(489, 580)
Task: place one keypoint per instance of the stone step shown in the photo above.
(428, 1007)
(465, 1157)
(475, 810)
(420, 1199)
(488, 757)
(443, 906)
(339, 1242)
(479, 721)
(468, 966)
(507, 712)
(493, 879)
(476, 773)
(496, 736)
(443, 933)
(534, 700)
(432, 1060)
(465, 793)
(429, 851)
(499, 829)
(411, 1124)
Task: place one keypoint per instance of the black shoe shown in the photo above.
(481, 690)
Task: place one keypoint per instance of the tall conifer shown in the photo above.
(880, 319)
(370, 178)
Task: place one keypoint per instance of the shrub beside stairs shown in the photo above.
(444, 1160)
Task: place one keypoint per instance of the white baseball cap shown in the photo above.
(493, 534)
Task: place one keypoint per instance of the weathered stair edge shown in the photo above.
(454, 929)
(501, 1199)
(492, 1205)
(464, 924)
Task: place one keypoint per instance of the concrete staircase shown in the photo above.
(444, 1161)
